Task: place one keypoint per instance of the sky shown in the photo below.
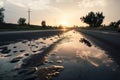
(56, 12)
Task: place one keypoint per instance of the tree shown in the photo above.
(21, 21)
(118, 23)
(115, 24)
(2, 15)
(93, 19)
(43, 23)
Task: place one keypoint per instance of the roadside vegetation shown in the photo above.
(22, 25)
(95, 20)
(17, 27)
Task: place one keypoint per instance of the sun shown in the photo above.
(64, 23)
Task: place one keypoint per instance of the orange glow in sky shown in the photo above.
(56, 12)
(64, 23)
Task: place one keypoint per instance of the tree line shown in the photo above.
(96, 19)
(93, 19)
(21, 21)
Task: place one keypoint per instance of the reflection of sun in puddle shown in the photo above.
(70, 48)
(77, 57)
(69, 51)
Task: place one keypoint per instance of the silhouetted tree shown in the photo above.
(43, 24)
(93, 19)
(60, 26)
(112, 24)
(2, 15)
(118, 23)
(21, 21)
(115, 24)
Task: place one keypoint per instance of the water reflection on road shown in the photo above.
(12, 55)
(80, 59)
(82, 62)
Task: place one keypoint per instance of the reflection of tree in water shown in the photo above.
(86, 42)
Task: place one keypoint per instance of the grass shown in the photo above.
(15, 27)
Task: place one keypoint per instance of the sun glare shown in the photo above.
(64, 23)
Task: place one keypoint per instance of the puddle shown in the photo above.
(34, 73)
(12, 55)
(82, 60)
(73, 58)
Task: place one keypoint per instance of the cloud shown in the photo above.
(63, 1)
(65, 5)
(34, 4)
(57, 9)
(18, 3)
(91, 3)
(1, 3)
(39, 4)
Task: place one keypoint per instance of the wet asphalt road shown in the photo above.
(81, 61)
(15, 36)
(109, 41)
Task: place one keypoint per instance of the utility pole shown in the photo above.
(29, 11)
